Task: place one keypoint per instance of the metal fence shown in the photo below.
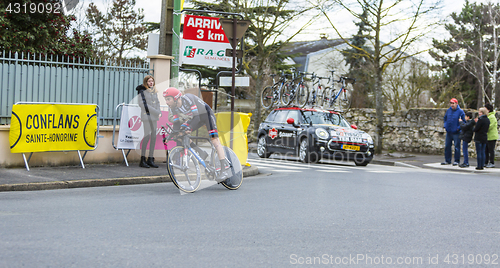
(40, 78)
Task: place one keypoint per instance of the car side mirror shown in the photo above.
(354, 126)
(291, 121)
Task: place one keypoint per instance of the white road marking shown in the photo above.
(334, 171)
(383, 171)
(278, 170)
(278, 165)
(285, 166)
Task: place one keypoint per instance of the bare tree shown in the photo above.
(119, 30)
(405, 84)
(485, 56)
(408, 21)
(494, 16)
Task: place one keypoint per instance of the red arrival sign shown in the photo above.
(202, 28)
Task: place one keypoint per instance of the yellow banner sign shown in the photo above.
(41, 127)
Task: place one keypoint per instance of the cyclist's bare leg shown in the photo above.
(222, 158)
(218, 148)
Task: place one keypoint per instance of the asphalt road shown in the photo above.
(293, 214)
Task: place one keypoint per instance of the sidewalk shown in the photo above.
(417, 160)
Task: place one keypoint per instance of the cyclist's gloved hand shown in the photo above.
(185, 129)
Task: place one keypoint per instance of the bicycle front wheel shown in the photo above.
(184, 169)
(235, 171)
(302, 95)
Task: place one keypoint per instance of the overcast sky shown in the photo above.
(152, 11)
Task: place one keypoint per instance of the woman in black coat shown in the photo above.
(466, 128)
(481, 136)
(150, 114)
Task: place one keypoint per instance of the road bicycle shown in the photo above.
(296, 91)
(316, 94)
(185, 165)
(271, 95)
(342, 97)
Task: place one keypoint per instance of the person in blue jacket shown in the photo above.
(452, 127)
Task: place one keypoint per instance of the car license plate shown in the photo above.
(350, 147)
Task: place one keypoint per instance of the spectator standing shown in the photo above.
(452, 127)
(481, 136)
(150, 114)
(466, 134)
(489, 160)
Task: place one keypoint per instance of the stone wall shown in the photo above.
(415, 130)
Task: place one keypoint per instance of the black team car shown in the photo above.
(312, 134)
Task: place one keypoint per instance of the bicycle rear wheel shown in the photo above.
(286, 94)
(184, 169)
(276, 95)
(328, 98)
(302, 95)
(235, 171)
(319, 96)
(267, 97)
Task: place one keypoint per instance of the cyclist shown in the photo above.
(189, 113)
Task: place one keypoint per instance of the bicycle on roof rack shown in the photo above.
(316, 94)
(298, 91)
(341, 97)
(185, 165)
(271, 95)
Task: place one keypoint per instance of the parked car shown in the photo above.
(312, 134)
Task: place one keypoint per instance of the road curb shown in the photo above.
(250, 171)
(55, 185)
(382, 162)
(463, 170)
(393, 163)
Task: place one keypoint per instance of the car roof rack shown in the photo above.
(307, 107)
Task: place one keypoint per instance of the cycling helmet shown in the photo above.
(172, 92)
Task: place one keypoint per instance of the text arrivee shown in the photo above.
(203, 29)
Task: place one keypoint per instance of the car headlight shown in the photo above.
(322, 133)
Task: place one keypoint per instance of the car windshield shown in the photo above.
(324, 118)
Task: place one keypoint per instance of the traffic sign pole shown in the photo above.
(233, 88)
(175, 44)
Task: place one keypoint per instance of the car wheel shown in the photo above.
(361, 164)
(360, 160)
(261, 148)
(305, 155)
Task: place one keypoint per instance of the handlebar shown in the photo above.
(314, 76)
(347, 80)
